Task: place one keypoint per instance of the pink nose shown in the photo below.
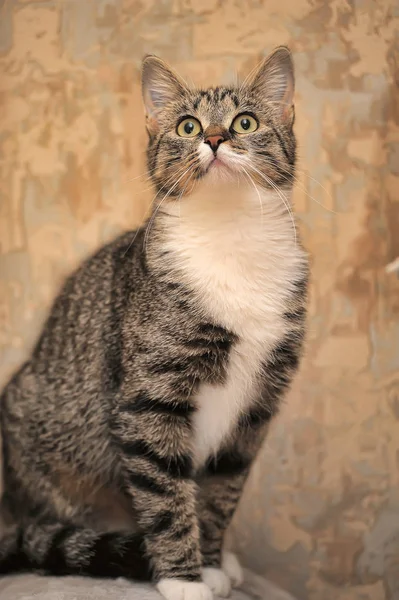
(214, 141)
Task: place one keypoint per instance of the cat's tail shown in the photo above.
(60, 549)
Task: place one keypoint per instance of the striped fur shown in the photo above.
(129, 433)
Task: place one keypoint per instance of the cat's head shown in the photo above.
(237, 132)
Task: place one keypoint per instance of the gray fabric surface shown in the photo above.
(34, 587)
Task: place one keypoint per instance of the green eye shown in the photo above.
(245, 124)
(189, 128)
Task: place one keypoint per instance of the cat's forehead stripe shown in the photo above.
(212, 96)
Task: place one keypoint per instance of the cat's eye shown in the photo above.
(244, 124)
(189, 127)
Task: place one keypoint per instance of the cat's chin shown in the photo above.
(219, 170)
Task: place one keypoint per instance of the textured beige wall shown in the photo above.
(321, 514)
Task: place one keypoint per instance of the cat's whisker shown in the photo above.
(152, 203)
(168, 182)
(298, 182)
(303, 189)
(301, 186)
(151, 221)
(258, 193)
(283, 198)
(149, 173)
(329, 196)
(187, 169)
(130, 179)
(175, 174)
(183, 191)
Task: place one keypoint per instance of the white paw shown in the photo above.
(232, 568)
(218, 581)
(178, 589)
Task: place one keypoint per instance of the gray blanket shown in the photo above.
(34, 587)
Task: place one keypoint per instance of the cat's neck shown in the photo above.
(232, 216)
(235, 250)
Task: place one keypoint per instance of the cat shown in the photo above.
(129, 433)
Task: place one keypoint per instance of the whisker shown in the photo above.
(183, 191)
(283, 198)
(323, 188)
(153, 201)
(150, 172)
(299, 184)
(161, 202)
(258, 193)
(151, 221)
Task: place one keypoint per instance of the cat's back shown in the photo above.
(56, 409)
(68, 364)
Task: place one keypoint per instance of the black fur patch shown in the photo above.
(182, 532)
(14, 560)
(143, 403)
(175, 466)
(55, 561)
(115, 555)
(285, 355)
(148, 484)
(162, 522)
(228, 464)
(215, 510)
(297, 315)
(256, 417)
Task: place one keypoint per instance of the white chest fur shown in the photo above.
(236, 248)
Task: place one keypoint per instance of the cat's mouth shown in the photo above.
(224, 162)
(217, 164)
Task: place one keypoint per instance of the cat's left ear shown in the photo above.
(274, 81)
(160, 86)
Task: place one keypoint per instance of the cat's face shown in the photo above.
(242, 132)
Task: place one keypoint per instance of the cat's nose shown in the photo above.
(214, 141)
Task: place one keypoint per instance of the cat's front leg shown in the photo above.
(153, 436)
(221, 489)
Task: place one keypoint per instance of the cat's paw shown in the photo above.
(178, 589)
(231, 566)
(217, 580)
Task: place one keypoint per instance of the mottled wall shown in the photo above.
(321, 513)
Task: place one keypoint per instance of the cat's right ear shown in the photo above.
(273, 80)
(160, 86)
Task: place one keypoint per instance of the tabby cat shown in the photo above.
(129, 433)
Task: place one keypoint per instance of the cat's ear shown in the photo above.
(274, 81)
(160, 86)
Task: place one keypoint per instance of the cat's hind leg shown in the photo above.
(65, 549)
